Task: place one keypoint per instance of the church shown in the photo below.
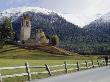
(25, 34)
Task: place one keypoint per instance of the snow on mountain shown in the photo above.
(20, 10)
(24, 9)
(102, 19)
(16, 12)
(105, 17)
(101, 24)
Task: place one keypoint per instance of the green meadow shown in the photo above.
(11, 56)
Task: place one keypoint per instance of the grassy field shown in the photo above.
(21, 62)
(12, 52)
(14, 56)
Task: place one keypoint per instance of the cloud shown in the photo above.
(78, 11)
(93, 10)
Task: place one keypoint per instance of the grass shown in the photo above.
(21, 62)
(11, 55)
(12, 52)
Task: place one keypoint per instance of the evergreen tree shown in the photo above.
(55, 40)
(6, 31)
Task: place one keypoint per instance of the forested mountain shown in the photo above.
(71, 36)
(101, 29)
(51, 22)
(92, 39)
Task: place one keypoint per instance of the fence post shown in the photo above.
(66, 69)
(48, 70)
(0, 78)
(92, 64)
(103, 63)
(98, 63)
(28, 71)
(78, 66)
(86, 64)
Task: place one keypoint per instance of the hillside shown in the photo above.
(13, 52)
(92, 39)
(54, 50)
(51, 22)
(100, 29)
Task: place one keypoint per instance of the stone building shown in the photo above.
(39, 39)
(25, 28)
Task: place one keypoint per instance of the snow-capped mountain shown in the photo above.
(71, 36)
(16, 12)
(19, 10)
(49, 20)
(100, 27)
(103, 22)
(52, 23)
(105, 17)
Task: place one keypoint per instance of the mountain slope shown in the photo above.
(100, 28)
(92, 39)
(20, 10)
(51, 22)
(13, 52)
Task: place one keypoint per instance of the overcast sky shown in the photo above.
(80, 12)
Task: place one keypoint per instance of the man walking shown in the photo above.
(106, 60)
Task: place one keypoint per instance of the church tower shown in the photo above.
(25, 28)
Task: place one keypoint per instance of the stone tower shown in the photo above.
(25, 28)
(40, 37)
